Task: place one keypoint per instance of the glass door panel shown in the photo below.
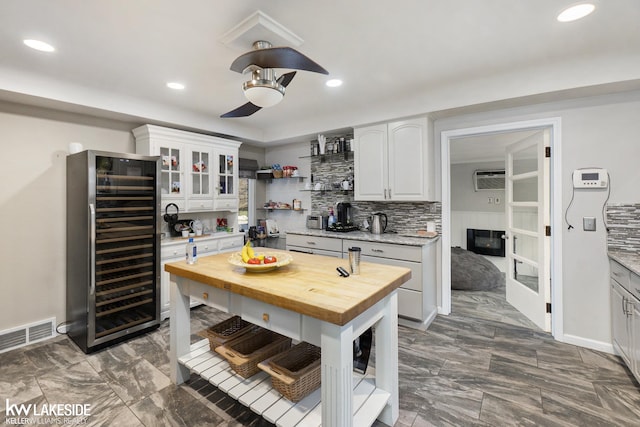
(125, 244)
(525, 218)
(525, 161)
(199, 173)
(526, 190)
(225, 174)
(170, 171)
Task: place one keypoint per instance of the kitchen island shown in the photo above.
(307, 301)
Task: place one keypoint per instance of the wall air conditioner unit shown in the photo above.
(488, 179)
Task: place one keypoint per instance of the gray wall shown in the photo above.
(463, 194)
(596, 132)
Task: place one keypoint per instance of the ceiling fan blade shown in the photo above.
(276, 57)
(285, 79)
(242, 111)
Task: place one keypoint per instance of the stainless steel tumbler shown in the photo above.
(354, 260)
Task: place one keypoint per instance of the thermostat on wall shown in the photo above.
(590, 178)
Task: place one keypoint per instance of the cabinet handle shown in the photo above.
(624, 305)
(311, 243)
(92, 251)
(377, 250)
(385, 193)
(265, 317)
(389, 192)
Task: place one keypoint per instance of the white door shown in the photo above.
(528, 214)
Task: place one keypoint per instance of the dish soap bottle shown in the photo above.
(191, 252)
(332, 218)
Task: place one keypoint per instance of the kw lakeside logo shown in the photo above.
(46, 414)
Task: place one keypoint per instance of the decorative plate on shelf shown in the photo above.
(282, 260)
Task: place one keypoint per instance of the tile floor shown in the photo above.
(483, 365)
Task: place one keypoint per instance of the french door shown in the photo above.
(528, 246)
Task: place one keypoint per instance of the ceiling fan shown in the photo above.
(266, 89)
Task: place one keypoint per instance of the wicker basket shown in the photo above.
(296, 372)
(245, 352)
(277, 173)
(226, 330)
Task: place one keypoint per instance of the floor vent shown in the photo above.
(27, 334)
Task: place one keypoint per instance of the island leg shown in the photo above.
(337, 376)
(180, 329)
(386, 349)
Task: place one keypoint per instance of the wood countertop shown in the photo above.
(309, 285)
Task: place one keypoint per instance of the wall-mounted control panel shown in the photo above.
(590, 178)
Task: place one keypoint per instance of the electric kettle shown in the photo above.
(377, 226)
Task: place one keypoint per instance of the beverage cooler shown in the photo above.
(113, 247)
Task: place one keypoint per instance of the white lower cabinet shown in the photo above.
(174, 250)
(416, 297)
(327, 246)
(625, 312)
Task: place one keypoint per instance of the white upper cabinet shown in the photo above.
(226, 179)
(191, 168)
(370, 163)
(392, 162)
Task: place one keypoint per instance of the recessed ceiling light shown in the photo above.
(575, 12)
(175, 85)
(39, 45)
(334, 83)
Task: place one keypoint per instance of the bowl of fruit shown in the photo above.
(258, 262)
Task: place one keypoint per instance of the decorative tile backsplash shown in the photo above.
(624, 226)
(404, 217)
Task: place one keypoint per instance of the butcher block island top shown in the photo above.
(309, 285)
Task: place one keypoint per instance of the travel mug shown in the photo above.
(354, 260)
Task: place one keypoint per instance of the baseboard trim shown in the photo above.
(587, 343)
(415, 324)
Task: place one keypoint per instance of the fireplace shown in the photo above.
(485, 242)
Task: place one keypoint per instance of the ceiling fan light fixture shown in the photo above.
(263, 89)
(263, 96)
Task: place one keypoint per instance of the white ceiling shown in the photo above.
(397, 58)
(488, 147)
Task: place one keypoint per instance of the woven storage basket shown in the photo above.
(245, 352)
(226, 330)
(277, 173)
(296, 372)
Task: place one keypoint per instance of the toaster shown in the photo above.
(317, 222)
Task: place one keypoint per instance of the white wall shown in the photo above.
(599, 131)
(285, 190)
(33, 205)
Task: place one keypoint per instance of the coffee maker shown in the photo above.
(344, 222)
(344, 213)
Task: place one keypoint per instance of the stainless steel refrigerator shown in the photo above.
(113, 247)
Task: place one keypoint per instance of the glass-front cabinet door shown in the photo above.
(226, 179)
(226, 184)
(200, 174)
(200, 190)
(170, 172)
